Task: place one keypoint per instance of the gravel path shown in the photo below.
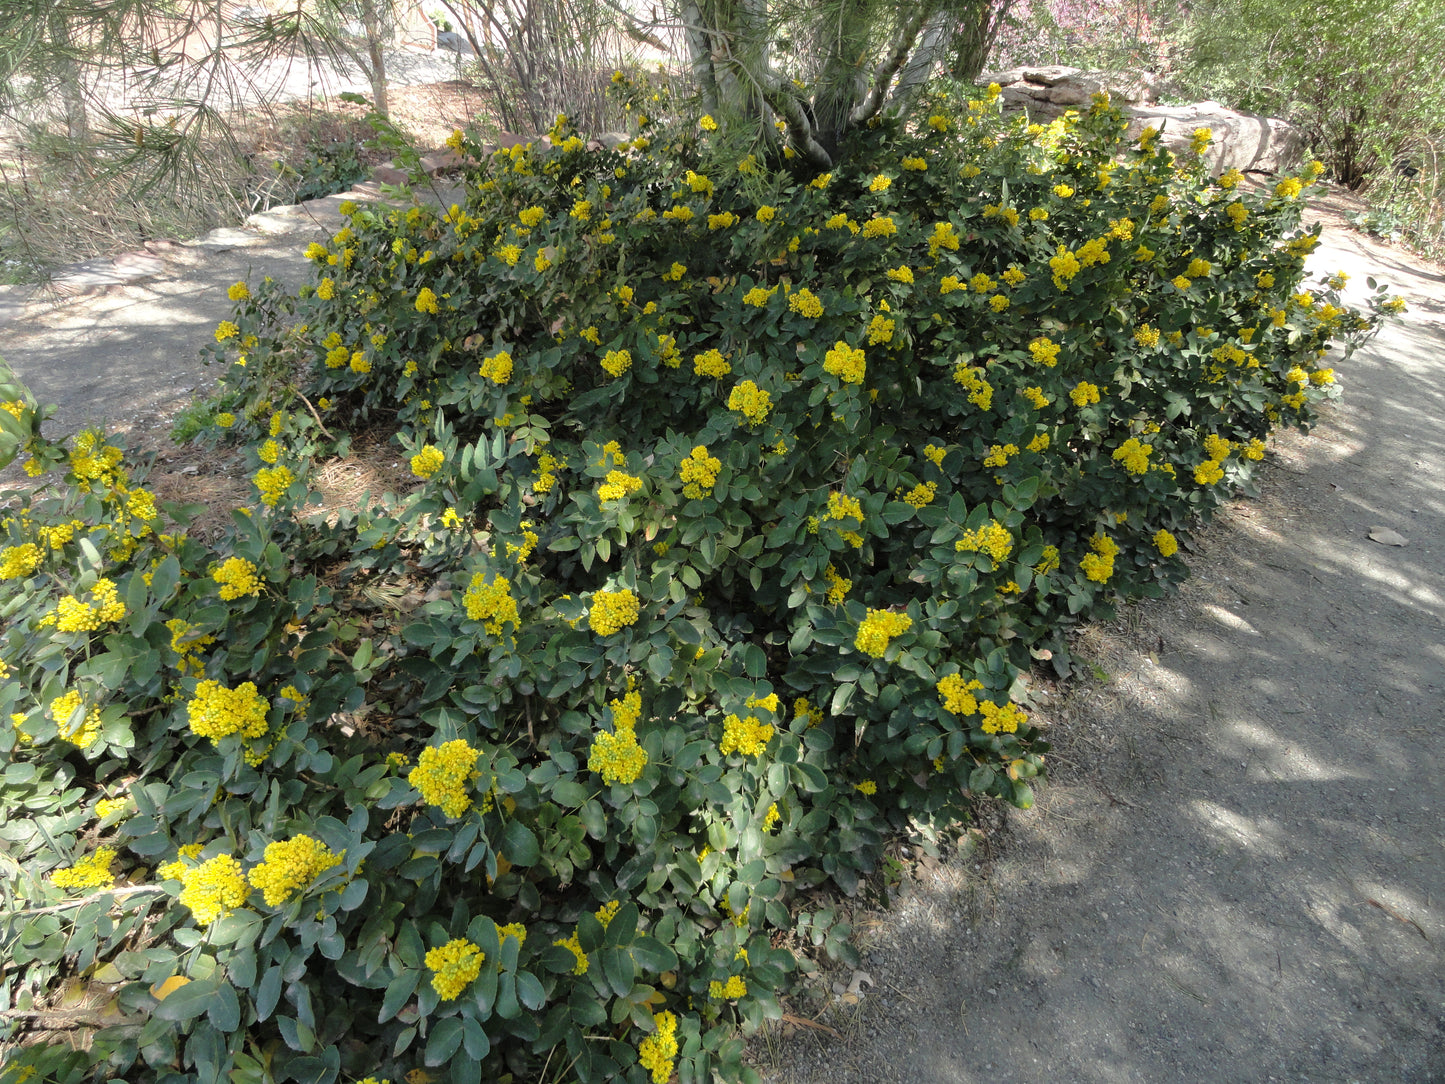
(1237, 873)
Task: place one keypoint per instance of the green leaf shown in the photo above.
(189, 1001)
(652, 955)
(474, 1039)
(446, 1037)
(268, 992)
(530, 991)
(519, 844)
(398, 992)
(224, 1010)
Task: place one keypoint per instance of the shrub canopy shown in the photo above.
(746, 494)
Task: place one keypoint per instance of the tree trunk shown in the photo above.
(373, 24)
(67, 74)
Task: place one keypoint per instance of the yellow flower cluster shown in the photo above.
(106, 806)
(612, 610)
(1208, 472)
(273, 482)
(758, 296)
(838, 585)
(444, 773)
(92, 871)
(291, 865)
(1165, 543)
(902, 273)
(998, 454)
(1084, 393)
(957, 694)
(19, 561)
(1048, 560)
(722, 221)
(547, 467)
(236, 577)
(993, 538)
(1289, 188)
(1133, 455)
(617, 757)
(731, 990)
(211, 889)
(453, 966)
(497, 368)
(617, 362)
(491, 603)
(880, 330)
(917, 165)
(699, 472)
(980, 391)
(573, 945)
(1217, 447)
(618, 485)
(217, 712)
(85, 729)
(426, 300)
(711, 363)
(1147, 336)
(921, 494)
(74, 615)
(1099, 564)
(845, 362)
(745, 734)
(657, 1051)
(226, 330)
(1045, 351)
(427, 461)
(805, 303)
(882, 226)
(751, 401)
(1001, 718)
(878, 628)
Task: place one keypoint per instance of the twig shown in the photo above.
(301, 395)
(58, 1019)
(114, 893)
(1117, 801)
(803, 1021)
(1398, 917)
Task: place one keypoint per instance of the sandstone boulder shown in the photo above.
(1243, 141)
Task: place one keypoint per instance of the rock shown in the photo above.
(454, 42)
(1386, 537)
(442, 161)
(388, 174)
(1243, 141)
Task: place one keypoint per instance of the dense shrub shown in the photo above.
(747, 495)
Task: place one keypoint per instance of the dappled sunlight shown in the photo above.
(1230, 620)
(1229, 830)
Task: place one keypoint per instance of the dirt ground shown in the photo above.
(1236, 871)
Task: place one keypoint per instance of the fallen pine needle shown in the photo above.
(1398, 917)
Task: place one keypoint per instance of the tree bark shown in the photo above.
(374, 27)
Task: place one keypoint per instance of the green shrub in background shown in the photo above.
(747, 495)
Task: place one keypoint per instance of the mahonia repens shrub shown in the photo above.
(744, 497)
